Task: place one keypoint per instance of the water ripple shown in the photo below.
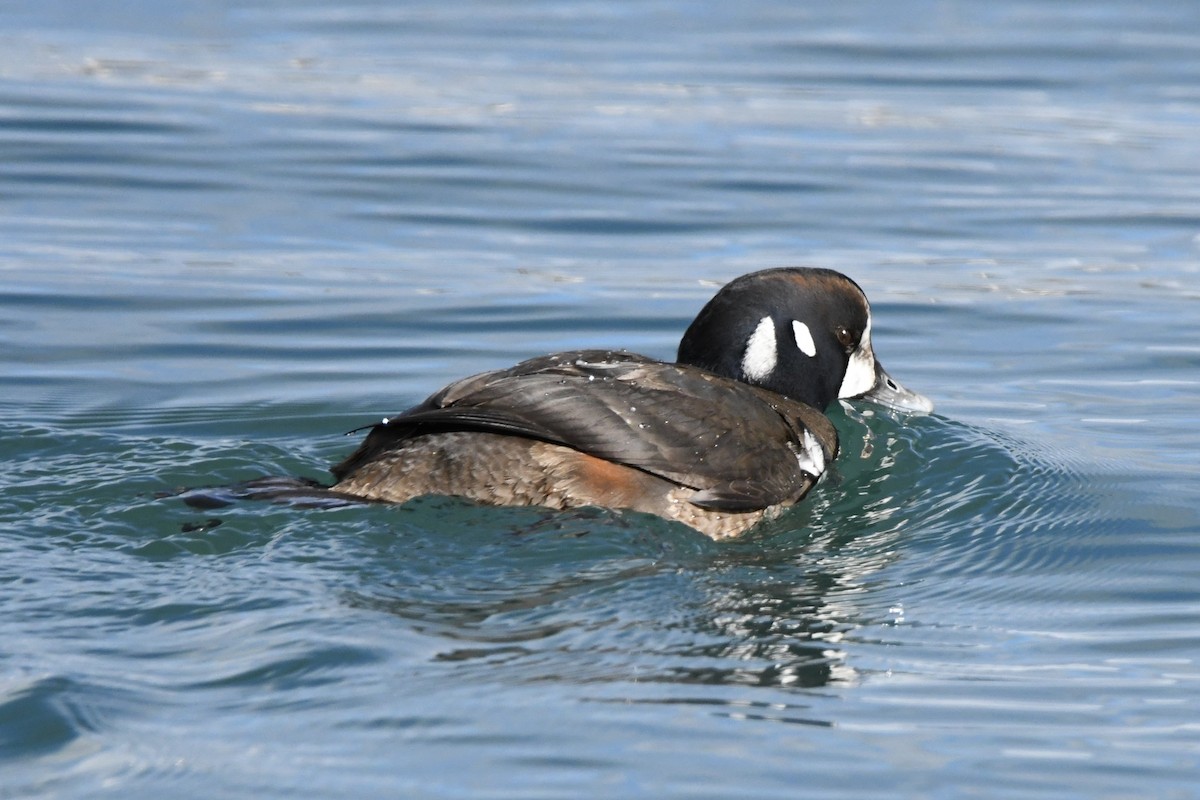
(230, 236)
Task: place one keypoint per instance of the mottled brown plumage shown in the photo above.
(598, 428)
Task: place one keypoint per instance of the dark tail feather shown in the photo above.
(299, 492)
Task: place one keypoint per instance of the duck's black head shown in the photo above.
(802, 332)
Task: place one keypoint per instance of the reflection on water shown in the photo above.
(597, 596)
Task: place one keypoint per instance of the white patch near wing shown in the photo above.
(804, 338)
(860, 372)
(811, 457)
(761, 353)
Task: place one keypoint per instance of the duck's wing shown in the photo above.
(740, 447)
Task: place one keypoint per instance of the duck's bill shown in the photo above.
(888, 392)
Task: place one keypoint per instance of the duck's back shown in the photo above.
(601, 428)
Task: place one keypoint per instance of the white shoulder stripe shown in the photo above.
(804, 338)
(811, 457)
(761, 353)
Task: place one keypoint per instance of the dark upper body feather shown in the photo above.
(737, 444)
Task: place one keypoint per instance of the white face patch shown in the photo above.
(860, 372)
(804, 338)
(761, 353)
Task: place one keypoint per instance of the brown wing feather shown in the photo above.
(724, 438)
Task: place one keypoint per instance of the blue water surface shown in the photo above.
(231, 232)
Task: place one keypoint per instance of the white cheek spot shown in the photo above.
(860, 372)
(804, 338)
(811, 457)
(759, 359)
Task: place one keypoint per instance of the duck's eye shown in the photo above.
(846, 339)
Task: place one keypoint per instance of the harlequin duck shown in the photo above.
(728, 435)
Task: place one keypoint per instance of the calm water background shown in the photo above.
(230, 232)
